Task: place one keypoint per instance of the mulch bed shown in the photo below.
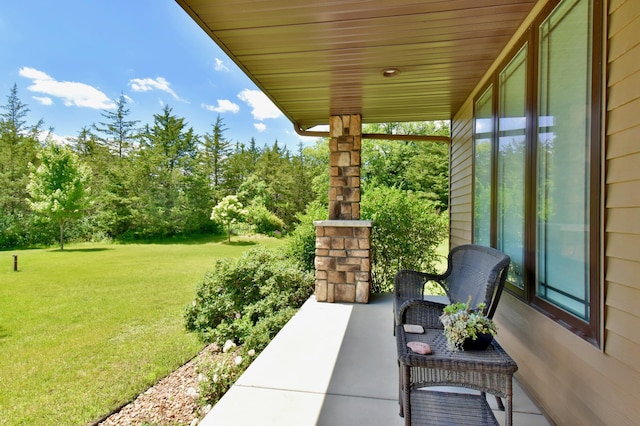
(172, 401)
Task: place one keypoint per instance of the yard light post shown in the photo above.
(15, 262)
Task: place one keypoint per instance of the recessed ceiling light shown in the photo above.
(390, 72)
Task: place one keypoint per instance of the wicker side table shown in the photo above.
(489, 371)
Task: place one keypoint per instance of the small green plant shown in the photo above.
(462, 323)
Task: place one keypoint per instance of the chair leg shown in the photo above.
(500, 404)
(498, 401)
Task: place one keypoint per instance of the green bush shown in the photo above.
(263, 221)
(406, 232)
(302, 240)
(244, 302)
(267, 328)
(239, 293)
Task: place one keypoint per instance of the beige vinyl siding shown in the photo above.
(574, 381)
(460, 186)
(622, 230)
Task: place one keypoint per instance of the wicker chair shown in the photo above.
(472, 270)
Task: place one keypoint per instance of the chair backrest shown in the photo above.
(479, 272)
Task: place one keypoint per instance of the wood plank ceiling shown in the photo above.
(326, 57)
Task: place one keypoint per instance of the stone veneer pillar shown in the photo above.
(343, 268)
(343, 243)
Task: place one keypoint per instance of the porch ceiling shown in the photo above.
(326, 57)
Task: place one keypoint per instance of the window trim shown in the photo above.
(588, 330)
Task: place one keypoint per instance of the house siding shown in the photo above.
(573, 380)
(622, 189)
(460, 186)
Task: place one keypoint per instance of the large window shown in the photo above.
(483, 137)
(539, 149)
(563, 169)
(512, 139)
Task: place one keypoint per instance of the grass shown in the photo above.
(442, 251)
(87, 329)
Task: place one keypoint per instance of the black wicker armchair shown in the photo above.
(472, 270)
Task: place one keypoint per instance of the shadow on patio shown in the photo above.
(332, 364)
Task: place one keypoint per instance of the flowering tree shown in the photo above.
(228, 211)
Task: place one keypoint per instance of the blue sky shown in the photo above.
(70, 60)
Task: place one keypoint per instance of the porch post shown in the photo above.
(343, 243)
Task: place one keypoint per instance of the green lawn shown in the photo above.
(86, 329)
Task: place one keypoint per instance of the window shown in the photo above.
(512, 138)
(563, 169)
(483, 137)
(536, 143)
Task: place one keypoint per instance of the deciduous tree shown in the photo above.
(228, 211)
(58, 186)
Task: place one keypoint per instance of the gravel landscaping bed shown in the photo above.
(172, 401)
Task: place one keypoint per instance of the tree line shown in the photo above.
(161, 179)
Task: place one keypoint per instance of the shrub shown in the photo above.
(263, 221)
(238, 294)
(244, 302)
(406, 232)
(267, 328)
(302, 240)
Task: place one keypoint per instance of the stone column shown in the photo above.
(344, 167)
(343, 266)
(343, 243)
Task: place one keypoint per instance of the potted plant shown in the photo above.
(467, 328)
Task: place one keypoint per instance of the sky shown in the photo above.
(71, 59)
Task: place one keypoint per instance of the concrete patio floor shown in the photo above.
(332, 364)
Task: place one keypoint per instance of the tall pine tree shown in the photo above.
(214, 159)
(118, 132)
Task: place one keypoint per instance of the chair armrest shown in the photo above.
(423, 312)
(409, 284)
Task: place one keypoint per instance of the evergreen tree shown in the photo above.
(18, 145)
(241, 165)
(215, 155)
(274, 169)
(119, 133)
(164, 169)
(301, 181)
(102, 216)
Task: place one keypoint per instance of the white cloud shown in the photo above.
(224, 105)
(72, 93)
(262, 106)
(43, 100)
(45, 135)
(148, 84)
(220, 66)
(261, 127)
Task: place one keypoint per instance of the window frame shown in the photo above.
(588, 330)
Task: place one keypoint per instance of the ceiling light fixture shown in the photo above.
(390, 72)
